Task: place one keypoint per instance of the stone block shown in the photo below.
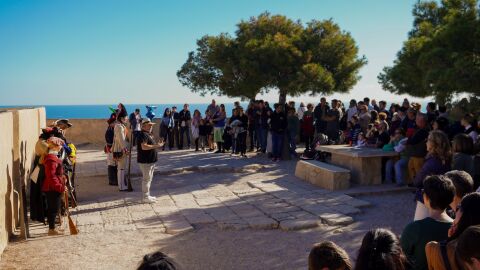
(298, 224)
(323, 175)
(262, 223)
(333, 219)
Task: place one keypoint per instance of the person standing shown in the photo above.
(111, 162)
(242, 135)
(352, 110)
(261, 126)
(320, 111)
(293, 127)
(120, 148)
(54, 183)
(213, 107)
(197, 117)
(176, 127)
(307, 127)
(219, 126)
(185, 120)
(332, 118)
(135, 118)
(278, 126)
(251, 126)
(166, 128)
(147, 157)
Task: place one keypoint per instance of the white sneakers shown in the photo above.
(149, 199)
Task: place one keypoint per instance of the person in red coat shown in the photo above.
(54, 183)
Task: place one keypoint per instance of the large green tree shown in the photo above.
(274, 52)
(441, 56)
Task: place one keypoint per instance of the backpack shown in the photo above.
(109, 135)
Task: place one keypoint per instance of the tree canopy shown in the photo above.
(441, 56)
(274, 52)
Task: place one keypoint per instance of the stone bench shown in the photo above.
(322, 174)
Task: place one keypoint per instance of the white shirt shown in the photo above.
(351, 112)
(138, 127)
(472, 134)
(300, 112)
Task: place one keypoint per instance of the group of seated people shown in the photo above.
(448, 238)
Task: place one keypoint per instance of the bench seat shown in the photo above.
(323, 175)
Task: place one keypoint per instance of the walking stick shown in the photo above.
(129, 182)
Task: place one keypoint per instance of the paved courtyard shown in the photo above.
(217, 196)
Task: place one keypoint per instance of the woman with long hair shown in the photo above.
(441, 254)
(438, 161)
(197, 116)
(381, 250)
(166, 128)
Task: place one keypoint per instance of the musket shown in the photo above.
(129, 182)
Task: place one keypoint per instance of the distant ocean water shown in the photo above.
(103, 111)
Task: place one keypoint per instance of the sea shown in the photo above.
(103, 111)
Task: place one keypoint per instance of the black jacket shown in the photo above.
(278, 122)
(184, 116)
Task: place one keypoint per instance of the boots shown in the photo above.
(112, 175)
(121, 180)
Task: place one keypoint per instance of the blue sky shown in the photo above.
(107, 51)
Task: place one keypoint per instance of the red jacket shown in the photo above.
(53, 174)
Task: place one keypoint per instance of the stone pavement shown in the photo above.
(92, 162)
(228, 192)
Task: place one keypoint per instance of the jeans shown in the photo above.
(53, 205)
(147, 173)
(183, 130)
(262, 137)
(252, 136)
(400, 167)
(277, 144)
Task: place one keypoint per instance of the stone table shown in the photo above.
(365, 164)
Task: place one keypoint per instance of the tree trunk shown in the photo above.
(282, 99)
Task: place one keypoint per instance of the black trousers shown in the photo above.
(241, 143)
(53, 204)
(167, 135)
(308, 141)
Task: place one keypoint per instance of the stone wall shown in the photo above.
(6, 181)
(92, 131)
(18, 135)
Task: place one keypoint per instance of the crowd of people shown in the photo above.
(436, 156)
(52, 180)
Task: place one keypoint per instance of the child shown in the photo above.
(362, 141)
(54, 183)
(390, 166)
(356, 129)
(327, 255)
(203, 134)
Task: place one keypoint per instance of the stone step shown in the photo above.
(323, 175)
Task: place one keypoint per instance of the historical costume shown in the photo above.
(120, 148)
